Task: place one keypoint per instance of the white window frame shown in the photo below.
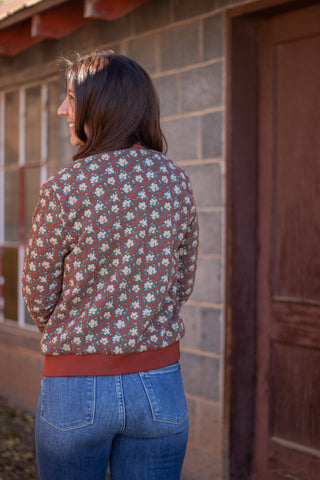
(43, 84)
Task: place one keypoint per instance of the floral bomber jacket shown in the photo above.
(111, 255)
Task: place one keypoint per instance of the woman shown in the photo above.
(109, 263)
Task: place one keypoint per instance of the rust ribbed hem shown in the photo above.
(99, 364)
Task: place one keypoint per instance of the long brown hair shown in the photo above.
(116, 104)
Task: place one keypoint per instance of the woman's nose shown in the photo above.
(63, 110)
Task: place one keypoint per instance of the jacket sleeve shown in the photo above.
(44, 257)
(188, 252)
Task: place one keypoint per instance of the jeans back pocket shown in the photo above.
(165, 391)
(67, 403)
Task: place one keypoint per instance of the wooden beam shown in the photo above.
(59, 21)
(110, 9)
(25, 12)
(17, 38)
(63, 17)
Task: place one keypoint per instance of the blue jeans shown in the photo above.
(136, 423)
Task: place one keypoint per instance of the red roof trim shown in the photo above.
(17, 38)
(60, 21)
(110, 9)
(55, 21)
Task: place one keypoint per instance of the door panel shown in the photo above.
(287, 430)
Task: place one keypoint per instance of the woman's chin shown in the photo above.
(75, 142)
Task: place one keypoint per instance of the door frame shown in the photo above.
(241, 228)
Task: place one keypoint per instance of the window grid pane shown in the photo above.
(11, 128)
(29, 132)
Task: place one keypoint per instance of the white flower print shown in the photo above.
(120, 324)
(116, 338)
(65, 176)
(93, 166)
(122, 162)
(94, 179)
(99, 191)
(153, 242)
(154, 187)
(165, 262)
(79, 276)
(66, 189)
(126, 270)
(118, 350)
(103, 219)
(93, 323)
(150, 297)
(127, 188)
(91, 349)
(77, 225)
(101, 234)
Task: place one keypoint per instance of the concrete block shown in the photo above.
(210, 426)
(202, 464)
(99, 32)
(204, 453)
(168, 93)
(179, 46)
(208, 287)
(143, 51)
(201, 376)
(181, 135)
(183, 9)
(211, 320)
(206, 179)
(20, 376)
(201, 88)
(213, 36)
(190, 319)
(151, 15)
(193, 418)
(212, 135)
(210, 227)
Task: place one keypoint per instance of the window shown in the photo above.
(29, 146)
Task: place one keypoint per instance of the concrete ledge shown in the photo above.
(20, 365)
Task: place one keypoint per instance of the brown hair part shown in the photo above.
(116, 104)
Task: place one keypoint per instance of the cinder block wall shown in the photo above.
(181, 43)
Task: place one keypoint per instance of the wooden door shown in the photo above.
(287, 410)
